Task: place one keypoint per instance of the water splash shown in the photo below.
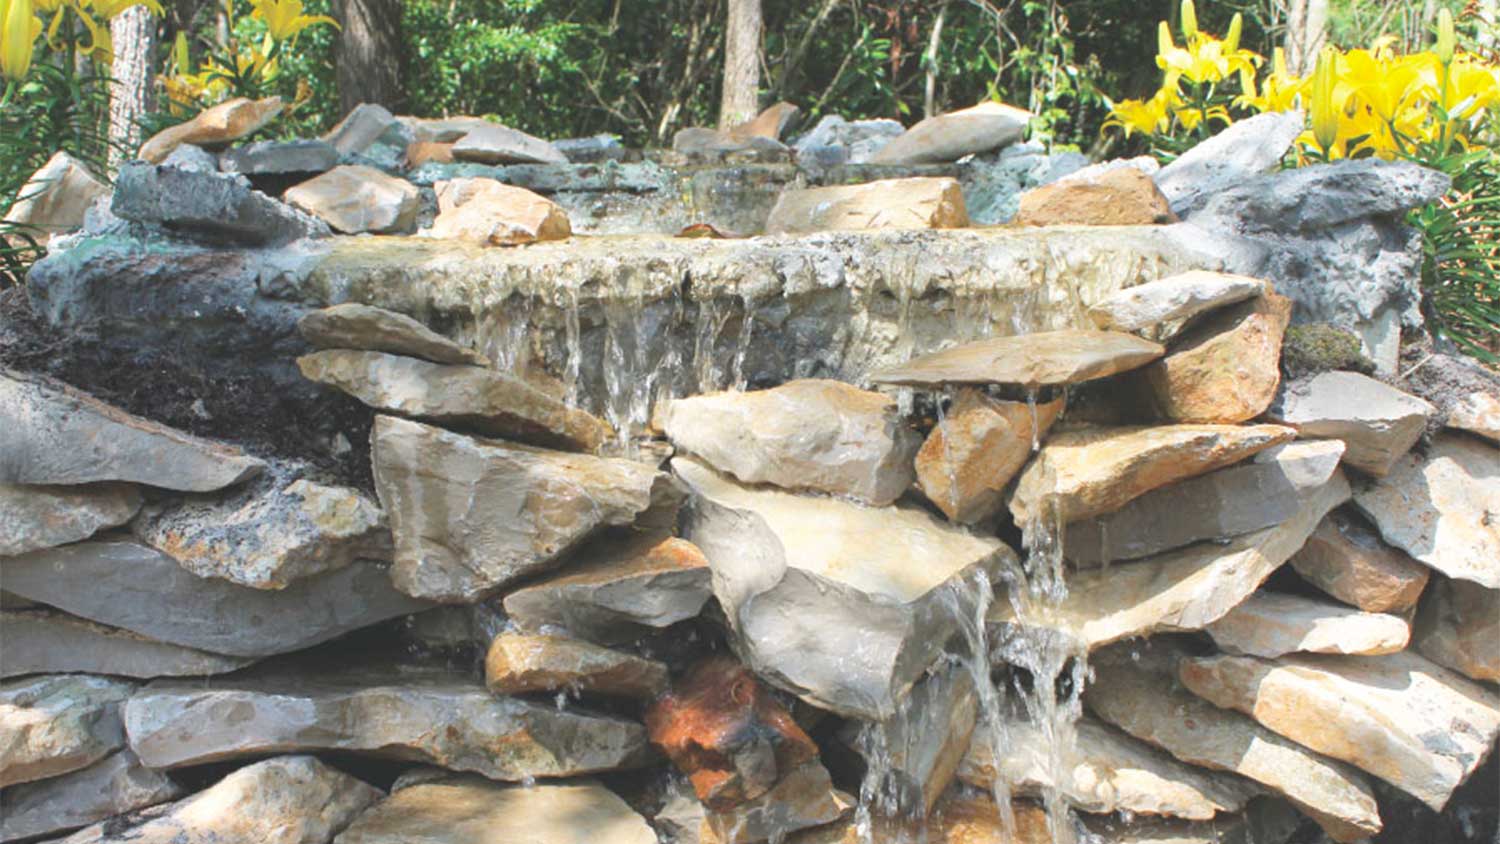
(573, 330)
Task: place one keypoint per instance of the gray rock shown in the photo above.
(495, 144)
(1216, 506)
(36, 517)
(951, 136)
(355, 198)
(915, 754)
(1273, 624)
(613, 589)
(57, 435)
(1458, 624)
(1172, 299)
(860, 139)
(275, 165)
(591, 150)
(471, 515)
(361, 327)
(806, 582)
(993, 184)
(1378, 423)
(192, 158)
(710, 146)
(42, 641)
(1236, 154)
(363, 126)
(286, 800)
(473, 398)
(802, 799)
(425, 714)
(1321, 197)
(211, 206)
(54, 725)
(824, 436)
(124, 584)
(113, 786)
(1069, 356)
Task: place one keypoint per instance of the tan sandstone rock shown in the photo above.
(1458, 627)
(56, 197)
(1272, 624)
(949, 137)
(1226, 367)
(1477, 413)
(770, 123)
(354, 198)
(1122, 196)
(489, 213)
(975, 451)
(1346, 558)
(226, 122)
(365, 328)
(54, 725)
(427, 152)
(518, 663)
(913, 203)
(1067, 356)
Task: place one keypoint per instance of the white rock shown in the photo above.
(1172, 299)
(1477, 413)
(1272, 624)
(1238, 152)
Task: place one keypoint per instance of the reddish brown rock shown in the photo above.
(723, 729)
(970, 457)
(1123, 196)
(770, 123)
(428, 152)
(1226, 368)
(1347, 559)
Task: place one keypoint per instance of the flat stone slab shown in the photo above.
(50, 726)
(615, 588)
(1104, 771)
(491, 143)
(1416, 725)
(427, 714)
(1458, 624)
(807, 582)
(1172, 299)
(131, 586)
(210, 206)
(1273, 624)
(361, 327)
(43, 641)
(1439, 507)
(470, 516)
(469, 397)
(37, 517)
(1219, 505)
(58, 435)
(280, 158)
(224, 123)
(1378, 423)
(951, 136)
(818, 435)
(519, 663)
(1085, 473)
(915, 203)
(1030, 360)
(1140, 698)
(355, 198)
(472, 810)
(286, 800)
(117, 784)
(1346, 558)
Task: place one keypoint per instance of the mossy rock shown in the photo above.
(1319, 347)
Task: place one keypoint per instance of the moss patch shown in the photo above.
(1319, 347)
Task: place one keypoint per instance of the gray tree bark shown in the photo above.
(1306, 29)
(367, 56)
(134, 35)
(742, 35)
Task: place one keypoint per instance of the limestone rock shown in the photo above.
(470, 515)
(286, 800)
(1067, 356)
(807, 582)
(698, 145)
(1123, 196)
(354, 198)
(217, 207)
(921, 202)
(113, 786)
(1225, 368)
(57, 435)
(492, 143)
(519, 662)
(1417, 726)
(1273, 624)
(728, 734)
(273, 166)
(268, 535)
(1080, 474)
(54, 725)
(222, 124)
(1440, 508)
(1219, 505)
(919, 749)
(951, 136)
(1142, 700)
(355, 326)
(55, 198)
(1376, 422)
(818, 435)
(1309, 198)
(471, 810)
(41, 641)
(804, 798)
(1237, 153)
(1347, 559)
(36, 517)
(365, 124)
(1458, 624)
(1180, 590)
(1477, 413)
(415, 713)
(613, 589)
(1104, 771)
(856, 141)
(1172, 299)
(489, 213)
(770, 123)
(127, 585)
(975, 451)
(486, 401)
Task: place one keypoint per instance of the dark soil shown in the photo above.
(247, 410)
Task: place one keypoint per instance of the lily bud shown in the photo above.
(1447, 41)
(1232, 39)
(1189, 19)
(1325, 118)
(1163, 39)
(19, 29)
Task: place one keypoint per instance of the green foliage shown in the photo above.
(1461, 254)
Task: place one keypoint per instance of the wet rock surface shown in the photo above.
(361, 327)
(1032, 360)
(518, 663)
(974, 452)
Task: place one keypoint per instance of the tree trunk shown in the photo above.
(929, 98)
(1306, 27)
(368, 52)
(134, 35)
(741, 97)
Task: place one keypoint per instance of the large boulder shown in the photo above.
(1378, 423)
(491, 143)
(1224, 368)
(215, 207)
(37, 517)
(42, 641)
(222, 124)
(922, 202)
(1272, 624)
(117, 784)
(976, 449)
(1068, 356)
(824, 436)
(1246, 149)
(470, 516)
(1122, 196)
(354, 198)
(809, 582)
(54, 725)
(489, 213)
(951, 136)
(1346, 558)
(55, 198)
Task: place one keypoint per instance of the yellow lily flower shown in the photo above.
(284, 18)
(1144, 116)
(1279, 91)
(1191, 117)
(1232, 37)
(1386, 85)
(19, 29)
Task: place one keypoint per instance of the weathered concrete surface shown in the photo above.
(113, 786)
(50, 726)
(43, 641)
(36, 517)
(427, 714)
